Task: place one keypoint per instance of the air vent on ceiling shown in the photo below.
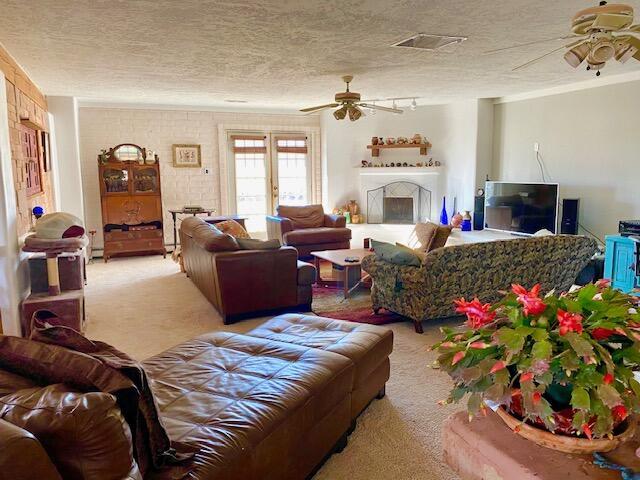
(423, 41)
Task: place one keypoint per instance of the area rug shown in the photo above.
(330, 302)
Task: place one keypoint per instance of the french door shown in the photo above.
(268, 169)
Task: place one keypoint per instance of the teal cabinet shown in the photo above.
(620, 264)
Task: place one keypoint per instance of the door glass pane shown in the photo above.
(251, 187)
(292, 173)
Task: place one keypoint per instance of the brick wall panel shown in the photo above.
(159, 130)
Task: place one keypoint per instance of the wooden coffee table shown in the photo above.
(352, 274)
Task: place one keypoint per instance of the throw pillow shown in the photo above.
(411, 251)
(84, 434)
(442, 235)
(233, 228)
(394, 254)
(255, 244)
(426, 233)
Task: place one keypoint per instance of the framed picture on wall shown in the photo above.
(186, 156)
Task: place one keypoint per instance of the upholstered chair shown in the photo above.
(309, 229)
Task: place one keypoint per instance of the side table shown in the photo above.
(174, 215)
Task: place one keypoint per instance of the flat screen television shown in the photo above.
(522, 208)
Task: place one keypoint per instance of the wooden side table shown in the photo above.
(174, 215)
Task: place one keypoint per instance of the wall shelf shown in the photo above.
(375, 149)
(395, 171)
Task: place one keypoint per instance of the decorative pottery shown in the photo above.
(380, 141)
(466, 221)
(565, 443)
(374, 140)
(416, 139)
(353, 207)
(364, 163)
(456, 220)
(390, 140)
(150, 157)
(444, 217)
(402, 140)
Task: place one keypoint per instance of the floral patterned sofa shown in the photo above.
(475, 270)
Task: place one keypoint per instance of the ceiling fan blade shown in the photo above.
(320, 107)
(535, 60)
(611, 21)
(567, 37)
(378, 107)
(635, 29)
(635, 42)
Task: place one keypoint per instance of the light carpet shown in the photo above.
(144, 305)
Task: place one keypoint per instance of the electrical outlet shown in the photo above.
(206, 171)
(536, 147)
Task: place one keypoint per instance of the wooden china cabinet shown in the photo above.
(131, 202)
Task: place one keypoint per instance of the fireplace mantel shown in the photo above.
(395, 171)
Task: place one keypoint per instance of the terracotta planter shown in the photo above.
(565, 443)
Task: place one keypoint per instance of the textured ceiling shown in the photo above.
(285, 54)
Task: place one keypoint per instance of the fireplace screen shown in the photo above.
(399, 202)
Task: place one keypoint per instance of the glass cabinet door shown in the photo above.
(116, 180)
(145, 180)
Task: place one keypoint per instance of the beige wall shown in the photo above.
(103, 128)
(590, 144)
(455, 130)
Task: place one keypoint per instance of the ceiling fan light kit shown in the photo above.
(350, 104)
(600, 26)
(599, 34)
(577, 55)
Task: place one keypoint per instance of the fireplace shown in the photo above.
(397, 210)
(399, 202)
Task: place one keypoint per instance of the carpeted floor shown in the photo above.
(144, 305)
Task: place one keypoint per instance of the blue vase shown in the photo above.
(466, 221)
(444, 217)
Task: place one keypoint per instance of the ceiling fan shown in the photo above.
(599, 34)
(349, 103)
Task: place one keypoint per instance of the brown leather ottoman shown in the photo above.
(258, 409)
(367, 346)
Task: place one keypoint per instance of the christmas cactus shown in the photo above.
(562, 362)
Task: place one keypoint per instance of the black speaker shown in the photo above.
(478, 213)
(570, 211)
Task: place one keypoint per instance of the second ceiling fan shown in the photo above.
(349, 103)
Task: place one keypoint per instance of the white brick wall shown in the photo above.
(103, 128)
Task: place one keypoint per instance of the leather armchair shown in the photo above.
(244, 283)
(309, 229)
(22, 456)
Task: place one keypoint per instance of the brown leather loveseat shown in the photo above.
(241, 283)
(309, 229)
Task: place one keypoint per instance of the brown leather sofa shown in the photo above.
(270, 404)
(309, 229)
(243, 283)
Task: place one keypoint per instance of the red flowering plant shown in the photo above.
(562, 362)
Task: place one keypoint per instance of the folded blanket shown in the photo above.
(60, 354)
